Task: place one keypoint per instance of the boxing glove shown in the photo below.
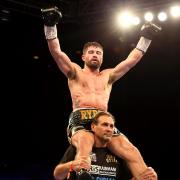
(51, 16)
(148, 32)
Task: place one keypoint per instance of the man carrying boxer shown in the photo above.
(90, 89)
(104, 164)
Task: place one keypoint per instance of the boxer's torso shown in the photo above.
(90, 90)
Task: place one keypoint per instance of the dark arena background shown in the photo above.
(35, 100)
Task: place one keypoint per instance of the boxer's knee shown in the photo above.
(82, 136)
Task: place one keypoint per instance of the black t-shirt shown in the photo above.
(104, 165)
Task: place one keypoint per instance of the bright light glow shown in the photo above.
(175, 11)
(35, 57)
(162, 16)
(136, 21)
(128, 19)
(148, 16)
(125, 19)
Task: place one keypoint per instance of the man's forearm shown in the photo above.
(61, 171)
(134, 57)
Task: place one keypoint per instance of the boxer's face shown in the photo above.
(93, 57)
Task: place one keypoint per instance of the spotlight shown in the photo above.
(148, 16)
(175, 11)
(162, 16)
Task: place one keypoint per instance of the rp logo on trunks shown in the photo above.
(88, 113)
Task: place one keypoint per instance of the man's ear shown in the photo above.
(92, 127)
(83, 58)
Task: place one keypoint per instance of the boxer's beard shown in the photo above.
(93, 65)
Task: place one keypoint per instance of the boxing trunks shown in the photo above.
(81, 119)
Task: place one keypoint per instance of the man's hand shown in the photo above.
(51, 16)
(148, 174)
(81, 163)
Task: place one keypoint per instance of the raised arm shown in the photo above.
(148, 30)
(51, 17)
